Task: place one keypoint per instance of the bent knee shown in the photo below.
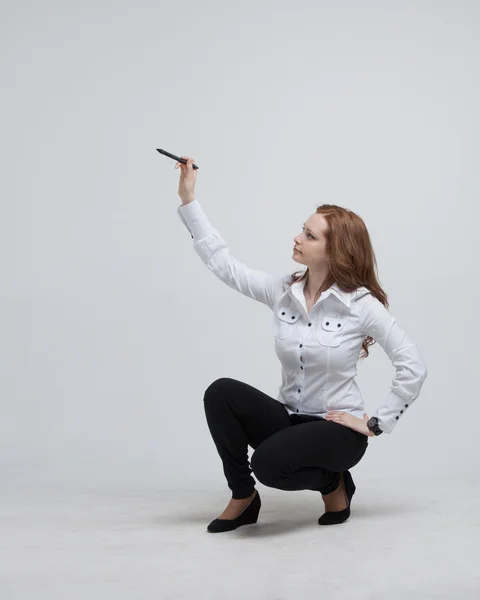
(217, 388)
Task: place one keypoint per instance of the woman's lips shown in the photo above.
(296, 250)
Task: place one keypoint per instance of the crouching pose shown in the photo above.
(323, 318)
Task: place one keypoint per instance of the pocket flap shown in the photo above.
(333, 323)
(288, 315)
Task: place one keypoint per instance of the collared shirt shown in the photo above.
(318, 350)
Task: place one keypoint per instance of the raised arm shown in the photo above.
(214, 252)
(411, 370)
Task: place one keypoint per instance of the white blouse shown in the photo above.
(318, 351)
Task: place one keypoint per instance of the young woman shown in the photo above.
(316, 429)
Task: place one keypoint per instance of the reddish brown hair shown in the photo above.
(351, 257)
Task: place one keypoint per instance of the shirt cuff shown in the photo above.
(391, 411)
(195, 219)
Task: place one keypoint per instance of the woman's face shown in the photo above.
(311, 243)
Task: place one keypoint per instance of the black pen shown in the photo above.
(182, 160)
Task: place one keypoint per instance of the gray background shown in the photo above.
(112, 327)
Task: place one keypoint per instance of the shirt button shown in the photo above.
(301, 345)
(301, 367)
(309, 324)
(297, 409)
(301, 358)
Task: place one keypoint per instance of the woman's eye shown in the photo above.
(308, 234)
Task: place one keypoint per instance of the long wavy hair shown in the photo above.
(351, 258)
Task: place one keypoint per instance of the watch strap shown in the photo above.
(372, 424)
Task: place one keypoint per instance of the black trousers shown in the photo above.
(292, 452)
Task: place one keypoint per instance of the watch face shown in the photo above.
(372, 424)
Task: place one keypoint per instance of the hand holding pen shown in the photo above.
(188, 175)
(188, 178)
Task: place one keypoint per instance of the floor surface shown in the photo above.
(402, 541)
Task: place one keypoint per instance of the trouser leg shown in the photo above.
(239, 415)
(310, 455)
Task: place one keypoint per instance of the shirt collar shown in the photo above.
(297, 290)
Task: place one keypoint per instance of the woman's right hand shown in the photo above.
(188, 178)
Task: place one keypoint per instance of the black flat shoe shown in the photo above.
(339, 516)
(248, 515)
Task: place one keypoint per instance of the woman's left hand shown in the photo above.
(349, 420)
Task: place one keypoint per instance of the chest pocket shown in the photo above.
(331, 330)
(285, 322)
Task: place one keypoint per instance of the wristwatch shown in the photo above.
(372, 424)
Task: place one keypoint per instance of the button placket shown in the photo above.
(301, 368)
(302, 358)
(299, 389)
